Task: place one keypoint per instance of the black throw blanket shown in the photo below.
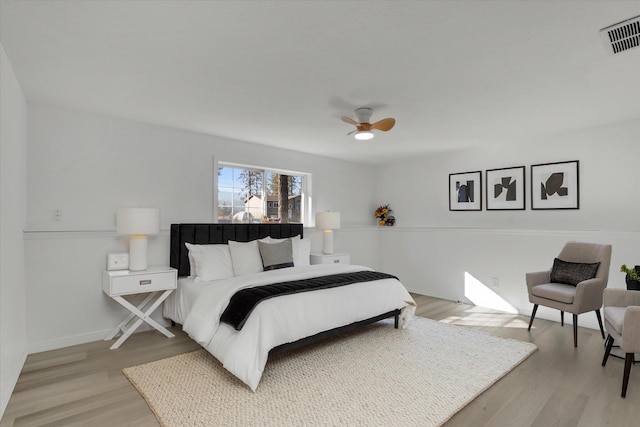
(244, 301)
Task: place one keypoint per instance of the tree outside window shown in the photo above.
(252, 195)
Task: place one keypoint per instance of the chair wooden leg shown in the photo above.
(607, 351)
(628, 360)
(575, 330)
(561, 318)
(533, 314)
(600, 322)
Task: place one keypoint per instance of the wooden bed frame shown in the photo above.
(205, 234)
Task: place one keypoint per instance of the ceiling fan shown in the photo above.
(364, 126)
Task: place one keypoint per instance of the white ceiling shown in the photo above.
(454, 74)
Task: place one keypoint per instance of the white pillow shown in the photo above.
(301, 250)
(192, 263)
(245, 257)
(210, 262)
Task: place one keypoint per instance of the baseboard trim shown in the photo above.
(63, 342)
(67, 341)
(12, 381)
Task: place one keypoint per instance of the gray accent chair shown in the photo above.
(585, 296)
(622, 320)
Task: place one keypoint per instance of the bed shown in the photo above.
(275, 324)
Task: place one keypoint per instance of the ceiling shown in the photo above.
(454, 74)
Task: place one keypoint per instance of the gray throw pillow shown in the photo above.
(572, 273)
(276, 255)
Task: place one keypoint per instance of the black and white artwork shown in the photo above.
(555, 185)
(465, 191)
(505, 189)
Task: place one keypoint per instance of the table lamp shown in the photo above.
(328, 221)
(138, 222)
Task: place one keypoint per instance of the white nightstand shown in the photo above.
(320, 258)
(158, 281)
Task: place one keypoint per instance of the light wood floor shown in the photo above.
(556, 386)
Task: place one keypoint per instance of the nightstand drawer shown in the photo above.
(330, 259)
(133, 283)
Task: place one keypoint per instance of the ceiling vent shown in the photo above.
(622, 36)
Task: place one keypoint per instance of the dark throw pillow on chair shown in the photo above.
(572, 273)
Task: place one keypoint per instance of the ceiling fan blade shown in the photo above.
(349, 120)
(384, 124)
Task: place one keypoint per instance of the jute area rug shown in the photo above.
(379, 375)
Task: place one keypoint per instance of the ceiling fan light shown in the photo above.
(363, 135)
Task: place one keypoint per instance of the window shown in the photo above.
(247, 194)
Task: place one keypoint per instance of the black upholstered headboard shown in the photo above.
(207, 234)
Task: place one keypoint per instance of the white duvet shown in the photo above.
(279, 320)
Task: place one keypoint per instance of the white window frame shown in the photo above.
(306, 198)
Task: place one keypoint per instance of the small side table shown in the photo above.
(158, 281)
(320, 258)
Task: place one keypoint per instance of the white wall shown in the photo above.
(13, 197)
(87, 165)
(431, 248)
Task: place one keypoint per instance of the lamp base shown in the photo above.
(327, 247)
(138, 252)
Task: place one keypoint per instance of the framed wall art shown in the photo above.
(555, 185)
(505, 188)
(465, 191)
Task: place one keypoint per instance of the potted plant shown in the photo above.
(633, 277)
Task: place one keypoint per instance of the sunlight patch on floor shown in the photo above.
(479, 294)
(502, 320)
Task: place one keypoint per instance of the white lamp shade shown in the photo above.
(328, 220)
(138, 221)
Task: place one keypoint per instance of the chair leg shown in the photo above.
(628, 360)
(600, 322)
(533, 314)
(575, 330)
(561, 318)
(607, 351)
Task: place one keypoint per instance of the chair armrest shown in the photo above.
(537, 278)
(620, 297)
(589, 294)
(631, 330)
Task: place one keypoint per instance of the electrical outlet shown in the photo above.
(495, 283)
(57, 215)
